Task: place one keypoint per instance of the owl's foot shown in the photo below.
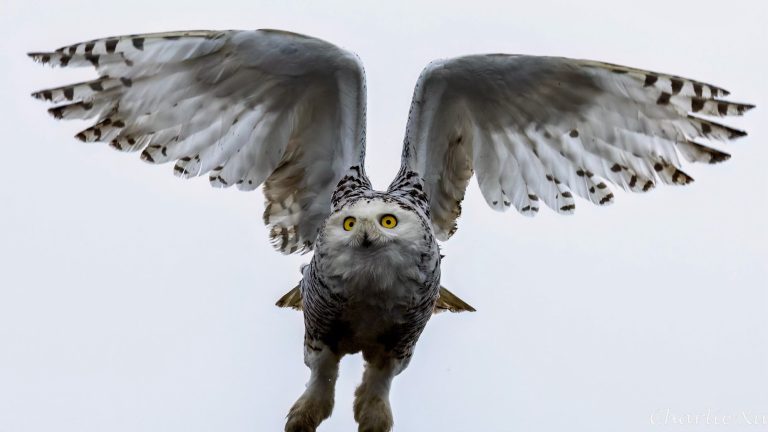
(373, 414)
(372, 410)
(316, 404)
(307, 413)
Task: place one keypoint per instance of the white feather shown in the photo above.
(244, 106)
(548, 127)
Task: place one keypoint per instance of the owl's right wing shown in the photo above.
(245, 107)
(544, 129)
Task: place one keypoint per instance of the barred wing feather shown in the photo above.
(244, 107)
(543, 129)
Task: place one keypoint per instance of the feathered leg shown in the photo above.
(316, 403)
(372, 409)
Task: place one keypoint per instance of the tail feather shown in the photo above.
(448, 301)
(291, 299)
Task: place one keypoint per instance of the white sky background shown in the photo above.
(133, 301)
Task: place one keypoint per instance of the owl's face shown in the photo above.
(371, 225)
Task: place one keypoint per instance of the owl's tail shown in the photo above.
(447, 301)
(291, 299)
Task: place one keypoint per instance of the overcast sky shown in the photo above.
(133, 301)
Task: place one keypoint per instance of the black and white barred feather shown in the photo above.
(545, 129)
(288, 111)
(244, 107)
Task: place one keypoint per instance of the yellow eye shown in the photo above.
(349, 223)
(388, 221)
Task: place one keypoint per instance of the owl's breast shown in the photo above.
(396, 272)
(383, 297)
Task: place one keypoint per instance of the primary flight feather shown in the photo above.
(288, 111)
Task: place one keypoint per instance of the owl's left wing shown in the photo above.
(545, 129)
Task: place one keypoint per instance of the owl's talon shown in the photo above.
(373, 415)
(307, 413)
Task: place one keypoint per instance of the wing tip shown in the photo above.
(607, 200)
(719, 157)
(567, 209)
(529, 211)
(39, 57)
(681, 178)
(43, 95)
(56, 113)
(147, 157)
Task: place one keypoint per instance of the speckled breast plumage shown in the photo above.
(381, 304)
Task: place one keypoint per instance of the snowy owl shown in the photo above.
(288, 111)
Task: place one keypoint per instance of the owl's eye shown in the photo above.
(349, 223)
(388, 221)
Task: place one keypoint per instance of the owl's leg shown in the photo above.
(316, 403)
(372, 410)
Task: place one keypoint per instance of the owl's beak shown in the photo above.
(368, 235)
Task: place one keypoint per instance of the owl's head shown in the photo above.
(373, 223)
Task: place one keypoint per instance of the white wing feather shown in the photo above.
(541, 129)
(245, 107)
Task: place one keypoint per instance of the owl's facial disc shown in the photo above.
(367, 233)
(371, 225)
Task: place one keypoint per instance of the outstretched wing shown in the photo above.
(545, 128)
(245, 107)
(539, 129)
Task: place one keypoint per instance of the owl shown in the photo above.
(287, 111)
